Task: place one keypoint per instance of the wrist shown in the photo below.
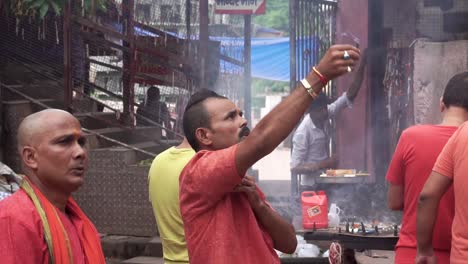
(323, 79)
(260, 208)
(425, 251)
(312, 80)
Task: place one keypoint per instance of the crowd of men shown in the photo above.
(207, 208)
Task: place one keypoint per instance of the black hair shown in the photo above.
(320, 102)
(456, 91)
(153, 93)
(196, 116)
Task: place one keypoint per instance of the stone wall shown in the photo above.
(115, 194)
(434, 64)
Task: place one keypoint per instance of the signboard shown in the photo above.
(240, 7)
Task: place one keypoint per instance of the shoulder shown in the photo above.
(19, 209)
(305, 124)
(163, 155)
(418, 131)
(206, 160)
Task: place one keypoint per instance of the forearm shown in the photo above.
(311, 167)
(282, 232)
(357, 80)
(425, 220)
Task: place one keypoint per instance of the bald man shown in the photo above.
(41, 223)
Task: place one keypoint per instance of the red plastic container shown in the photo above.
(314, 209)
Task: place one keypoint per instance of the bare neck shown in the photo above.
(58, 199)
(454, 116)
(184, 144)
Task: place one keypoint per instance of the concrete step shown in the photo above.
(144, 260)
(127, 247)
(128, 136)
(96, 120)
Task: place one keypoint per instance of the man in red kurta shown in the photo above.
(226, 218)
(41, 223)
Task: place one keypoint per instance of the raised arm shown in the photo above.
(358, 78)
(311, 167)
(276, 126)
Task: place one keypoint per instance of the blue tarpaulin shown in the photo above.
(270, 57)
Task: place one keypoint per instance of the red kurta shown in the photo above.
(220, 226)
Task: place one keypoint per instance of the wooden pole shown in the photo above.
(203, 44)
(247, 68)
(128, 63)
(67, 64)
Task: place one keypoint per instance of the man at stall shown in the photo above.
(311, 139)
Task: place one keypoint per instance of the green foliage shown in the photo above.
(276, 16)
(146, 162)
(260, 86)
(40, 8)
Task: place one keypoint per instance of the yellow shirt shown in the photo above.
(163, 180)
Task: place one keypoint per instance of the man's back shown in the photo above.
(163, 181)
(453, 163)
(414, 158)
(155, 111)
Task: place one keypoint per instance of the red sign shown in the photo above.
(240, 7)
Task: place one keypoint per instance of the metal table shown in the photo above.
(354, 241)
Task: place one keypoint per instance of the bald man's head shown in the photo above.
(35, 125)
(53, 150)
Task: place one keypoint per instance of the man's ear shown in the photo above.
(28, 154)
(442, 105)
(203, 136)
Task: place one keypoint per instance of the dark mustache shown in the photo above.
(245, 131)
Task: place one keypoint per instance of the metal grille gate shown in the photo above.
(312, 28)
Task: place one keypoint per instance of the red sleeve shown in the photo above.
(445, 162)
(396, 169)
(20, 243)
(210, 175)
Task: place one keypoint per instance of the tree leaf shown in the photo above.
(36, 4)
(56, 7)
(43, 10)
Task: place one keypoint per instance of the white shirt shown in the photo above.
(310, 144)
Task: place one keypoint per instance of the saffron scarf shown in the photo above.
(55, 234)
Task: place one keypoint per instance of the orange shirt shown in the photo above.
(453, 163)
(415, 155)
(220, 226)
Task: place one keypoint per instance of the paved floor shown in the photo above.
(379, 257)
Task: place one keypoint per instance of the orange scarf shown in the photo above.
(55, 234)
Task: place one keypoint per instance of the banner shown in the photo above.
(240, 7)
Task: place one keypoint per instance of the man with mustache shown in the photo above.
(41, 223)
(226, 218)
